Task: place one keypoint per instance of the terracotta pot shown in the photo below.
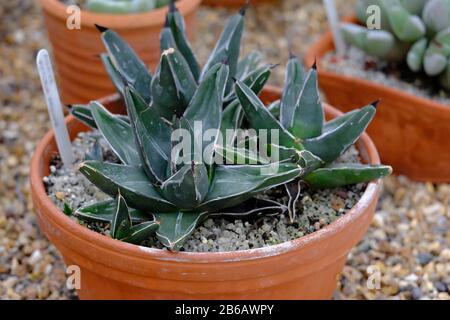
(81, 74)
(305, 268)
(232, 3)
(411, 133)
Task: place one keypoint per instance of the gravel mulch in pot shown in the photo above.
(411, 212)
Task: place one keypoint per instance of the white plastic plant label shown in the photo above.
(54, 107)
(333, 20)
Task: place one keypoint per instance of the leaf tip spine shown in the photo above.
(244, 8)
(101, 28)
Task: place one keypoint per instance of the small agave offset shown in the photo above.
(415, 31)
(152, 193)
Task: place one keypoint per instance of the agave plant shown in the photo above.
(415, 31)
(299, 120)
(124, 6)
(152, 191)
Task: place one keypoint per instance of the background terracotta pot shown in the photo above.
(305, 268)
(81, 74)
(411, 133)
(232, 3)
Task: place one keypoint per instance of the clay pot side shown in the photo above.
(305, 268)
(411, 133)
(81, 75)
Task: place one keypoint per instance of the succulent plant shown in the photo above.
(299, 119)
(124, 6)
(152, 191)
(415, 31)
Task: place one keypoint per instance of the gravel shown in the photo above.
(318, 208)
(411, 217)
(357, 64)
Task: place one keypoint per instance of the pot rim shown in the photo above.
(154, 17)
(321, 47)
(108, 244)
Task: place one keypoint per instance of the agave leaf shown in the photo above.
(293, 84)
(247, 64)
(332, 144)
(261, 118)
(336, 122)
(175, 227)
(173, 85)
(206, 107)
(253, 208)
(132, 182)
(152, 136)
(127, 62)
(309, 161)
(227, 48)
(112, 72)
(67, 210)
(121, 221)
(177, 25)
(283, 153)
(307, 120)
(104, 211)
(83, 113)
(275, 108)
(166, 39)
(141, 232)
(234, 155)
(117, 133)
(345, 174)
(234, 184)
(256, 80)
(232, 118)
(188, 187)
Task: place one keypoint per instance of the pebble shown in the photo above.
(424, 258)
(416, 293)
(35, 257)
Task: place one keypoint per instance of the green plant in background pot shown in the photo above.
(154, 193)
(415, 31)
(123, 6)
